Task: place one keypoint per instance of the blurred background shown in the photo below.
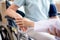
(57, 2)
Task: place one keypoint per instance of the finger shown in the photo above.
(21, 27)
(58, 32)
(18, 18)
(21, 23)
(24, 29)
(53, 29)
(18, 21)
(50, 31)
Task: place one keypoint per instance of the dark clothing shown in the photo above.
(52, 11)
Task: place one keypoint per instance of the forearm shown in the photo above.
(11, 11)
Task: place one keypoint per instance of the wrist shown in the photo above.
(31, 24)
(28, 22)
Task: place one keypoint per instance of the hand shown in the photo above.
(54, 31)
(17, 16)
(20, 24)
(24, 23)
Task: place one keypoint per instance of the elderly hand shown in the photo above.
(20, 24)
(24, 23)
(54, 31)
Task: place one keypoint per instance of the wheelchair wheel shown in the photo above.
(6, 34)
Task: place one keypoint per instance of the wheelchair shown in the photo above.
(9, 31)
(5, 31)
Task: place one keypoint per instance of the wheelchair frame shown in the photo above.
(4, 22)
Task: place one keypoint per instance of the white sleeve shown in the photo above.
(19, 2)
(42, 26)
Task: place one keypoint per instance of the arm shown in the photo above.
(11, 11)
(51, 26)
(40, 26)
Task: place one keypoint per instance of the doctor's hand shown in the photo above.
(54, 31)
